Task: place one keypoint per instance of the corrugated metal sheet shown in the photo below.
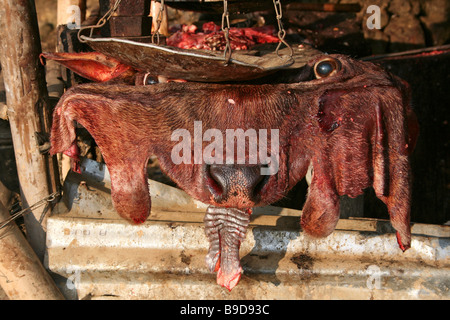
(102, 256)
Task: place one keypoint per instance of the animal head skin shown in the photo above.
(348, 119)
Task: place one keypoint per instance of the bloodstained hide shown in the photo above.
(350, 120)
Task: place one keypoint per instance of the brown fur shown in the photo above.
(355, 128)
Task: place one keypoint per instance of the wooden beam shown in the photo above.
(28, 111)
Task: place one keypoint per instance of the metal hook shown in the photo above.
(281, 31)
(158, 23)
(100, 22)
(226, 29)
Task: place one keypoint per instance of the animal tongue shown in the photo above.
(226, 229)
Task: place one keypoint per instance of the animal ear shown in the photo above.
(339, 160)
(362, 143)
(320, 214)
(396, 134)
(125, 152)
(93, 66)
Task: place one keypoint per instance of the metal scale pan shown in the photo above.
(200, 65)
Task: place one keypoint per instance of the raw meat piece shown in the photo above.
(213, 38)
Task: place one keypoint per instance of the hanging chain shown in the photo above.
(226, 31)
(47, 200)
(100, 22)
(159, 19)
(281, 31)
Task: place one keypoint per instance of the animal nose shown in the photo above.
(236, 183)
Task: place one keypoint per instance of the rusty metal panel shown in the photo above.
(103, 256)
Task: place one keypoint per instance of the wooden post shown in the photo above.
(28, 111)
(23, 276)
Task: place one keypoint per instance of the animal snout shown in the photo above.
(235, 185)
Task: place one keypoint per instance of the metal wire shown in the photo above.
(45, 201)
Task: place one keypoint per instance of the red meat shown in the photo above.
(213, 38)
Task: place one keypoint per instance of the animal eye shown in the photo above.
(148, 80)
(326, 68)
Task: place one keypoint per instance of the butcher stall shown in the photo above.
(350, 201)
